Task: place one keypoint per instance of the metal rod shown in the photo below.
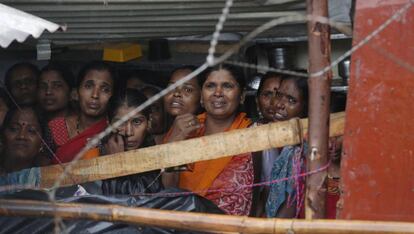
(319, 48)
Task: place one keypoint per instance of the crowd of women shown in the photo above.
(47, 119)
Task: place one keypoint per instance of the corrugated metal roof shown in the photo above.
(91, 21)
(18, 25)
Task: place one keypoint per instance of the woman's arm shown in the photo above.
(182, 128)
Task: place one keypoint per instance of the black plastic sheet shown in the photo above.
(147, 182)
(190, 203)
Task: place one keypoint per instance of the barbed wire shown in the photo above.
(348, 53)
(288, 19)
(267, 68)
(95, 140)
(211, 61)
(365, 40)
(216, 34)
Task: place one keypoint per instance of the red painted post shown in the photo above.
(377, 168)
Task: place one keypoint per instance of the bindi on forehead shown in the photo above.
(24, 123)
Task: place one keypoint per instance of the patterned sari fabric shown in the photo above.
(230, 195)
(289, 163)
(59, 131)
(68, 148)
(226, 179)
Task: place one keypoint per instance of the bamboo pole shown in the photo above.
(196, 221)
(319, 48)
(183, 152)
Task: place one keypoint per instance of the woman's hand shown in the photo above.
(183, 126)
(115, 144)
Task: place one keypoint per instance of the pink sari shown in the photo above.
(69, 148)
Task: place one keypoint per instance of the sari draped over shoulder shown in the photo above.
(226, 178)
(287, 191)
(68, 148)
(289, 164)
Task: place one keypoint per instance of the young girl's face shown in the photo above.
(133, 130)
(290, 102)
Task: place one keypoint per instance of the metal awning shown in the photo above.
(18, 25)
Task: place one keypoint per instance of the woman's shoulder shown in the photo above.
(66, 121)
(59, 129)
(242, 121)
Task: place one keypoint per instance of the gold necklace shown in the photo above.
(78, 129)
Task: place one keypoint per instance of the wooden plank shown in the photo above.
(184, 152)
(196, 221)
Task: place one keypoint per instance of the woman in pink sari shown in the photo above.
(70, 134)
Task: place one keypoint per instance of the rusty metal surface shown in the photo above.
(319, 48)
(378, 158)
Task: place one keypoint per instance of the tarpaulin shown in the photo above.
(192, 203)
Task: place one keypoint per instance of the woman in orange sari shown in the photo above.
(223, 180)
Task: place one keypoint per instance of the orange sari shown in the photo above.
(223, 176)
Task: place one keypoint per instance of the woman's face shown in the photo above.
(289, 101)
(22, 135)
(267, 97)
(23, 85)
(53, 92)
(185, 98)
(221, 94)
(133, 130)
(94, 93)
